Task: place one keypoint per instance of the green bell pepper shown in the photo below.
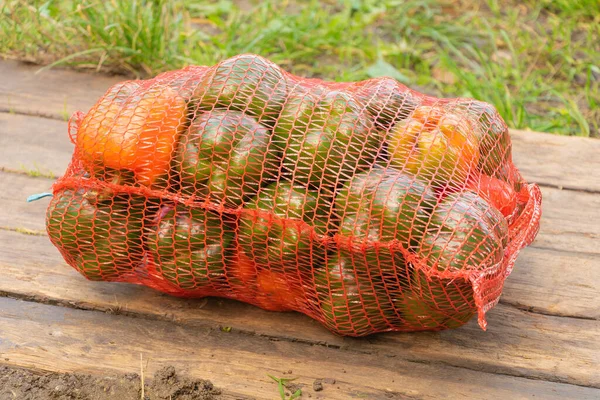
(437, 304)
(101, 239)
(383, 205)
(348, 297)
(247, 83)
(492, 137)
(464, 232)
(284, 245)
(189, 246)
(387, 101)
(324, 139)
(380, 206)
(227, 154)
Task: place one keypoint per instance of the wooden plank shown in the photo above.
(53, 93)
(60, 339)
(34, 144)
(517, 343)
(570, 220)
(15, 212)
(556, 283)
(563, 257)
(560, 161)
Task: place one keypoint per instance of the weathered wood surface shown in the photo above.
(561, 161)
(555, 282)
(34, 144)
(542, 340)
(517, 343)
(57, 338)
(53, 93)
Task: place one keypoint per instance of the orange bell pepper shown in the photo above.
(274, 292)
(242, 270)
(133, 127)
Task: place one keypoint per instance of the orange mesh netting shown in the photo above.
(367, 206)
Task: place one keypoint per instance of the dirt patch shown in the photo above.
(17, 383)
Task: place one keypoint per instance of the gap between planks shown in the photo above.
(515, 304)
(566, 161)
(535, 346)
(37, 114)
(541, 311)
(309, 360)
(553, 276)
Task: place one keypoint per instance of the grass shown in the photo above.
(27, 231)
(281, 386)
(36, 171)
(537, 61)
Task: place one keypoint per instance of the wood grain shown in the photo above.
(60, 339)
(34, 144)
(517, 343)
(560, 161)
(555, 282)
(570, 221)
(54, 93)
(15, 212)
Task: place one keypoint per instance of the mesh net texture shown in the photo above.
(367, 206)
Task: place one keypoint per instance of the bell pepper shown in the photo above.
(436, 304)
(189, 245)
(133, 127)
(386, 100)
(247, 83)
(277, 291)
(464, 233)
(324, 139)
(227, 154)
(437, 145)
(348, 300)
(242, 270)
(382, 205)
(492, 134)
(377, 207)
(184, 81)
(496, 192)
(287, 244)
(101, 239)
(507, 172)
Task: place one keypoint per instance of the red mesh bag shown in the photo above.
(367, 206)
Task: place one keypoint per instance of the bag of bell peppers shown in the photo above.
(367, 206)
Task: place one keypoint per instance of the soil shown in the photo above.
(16, 383)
